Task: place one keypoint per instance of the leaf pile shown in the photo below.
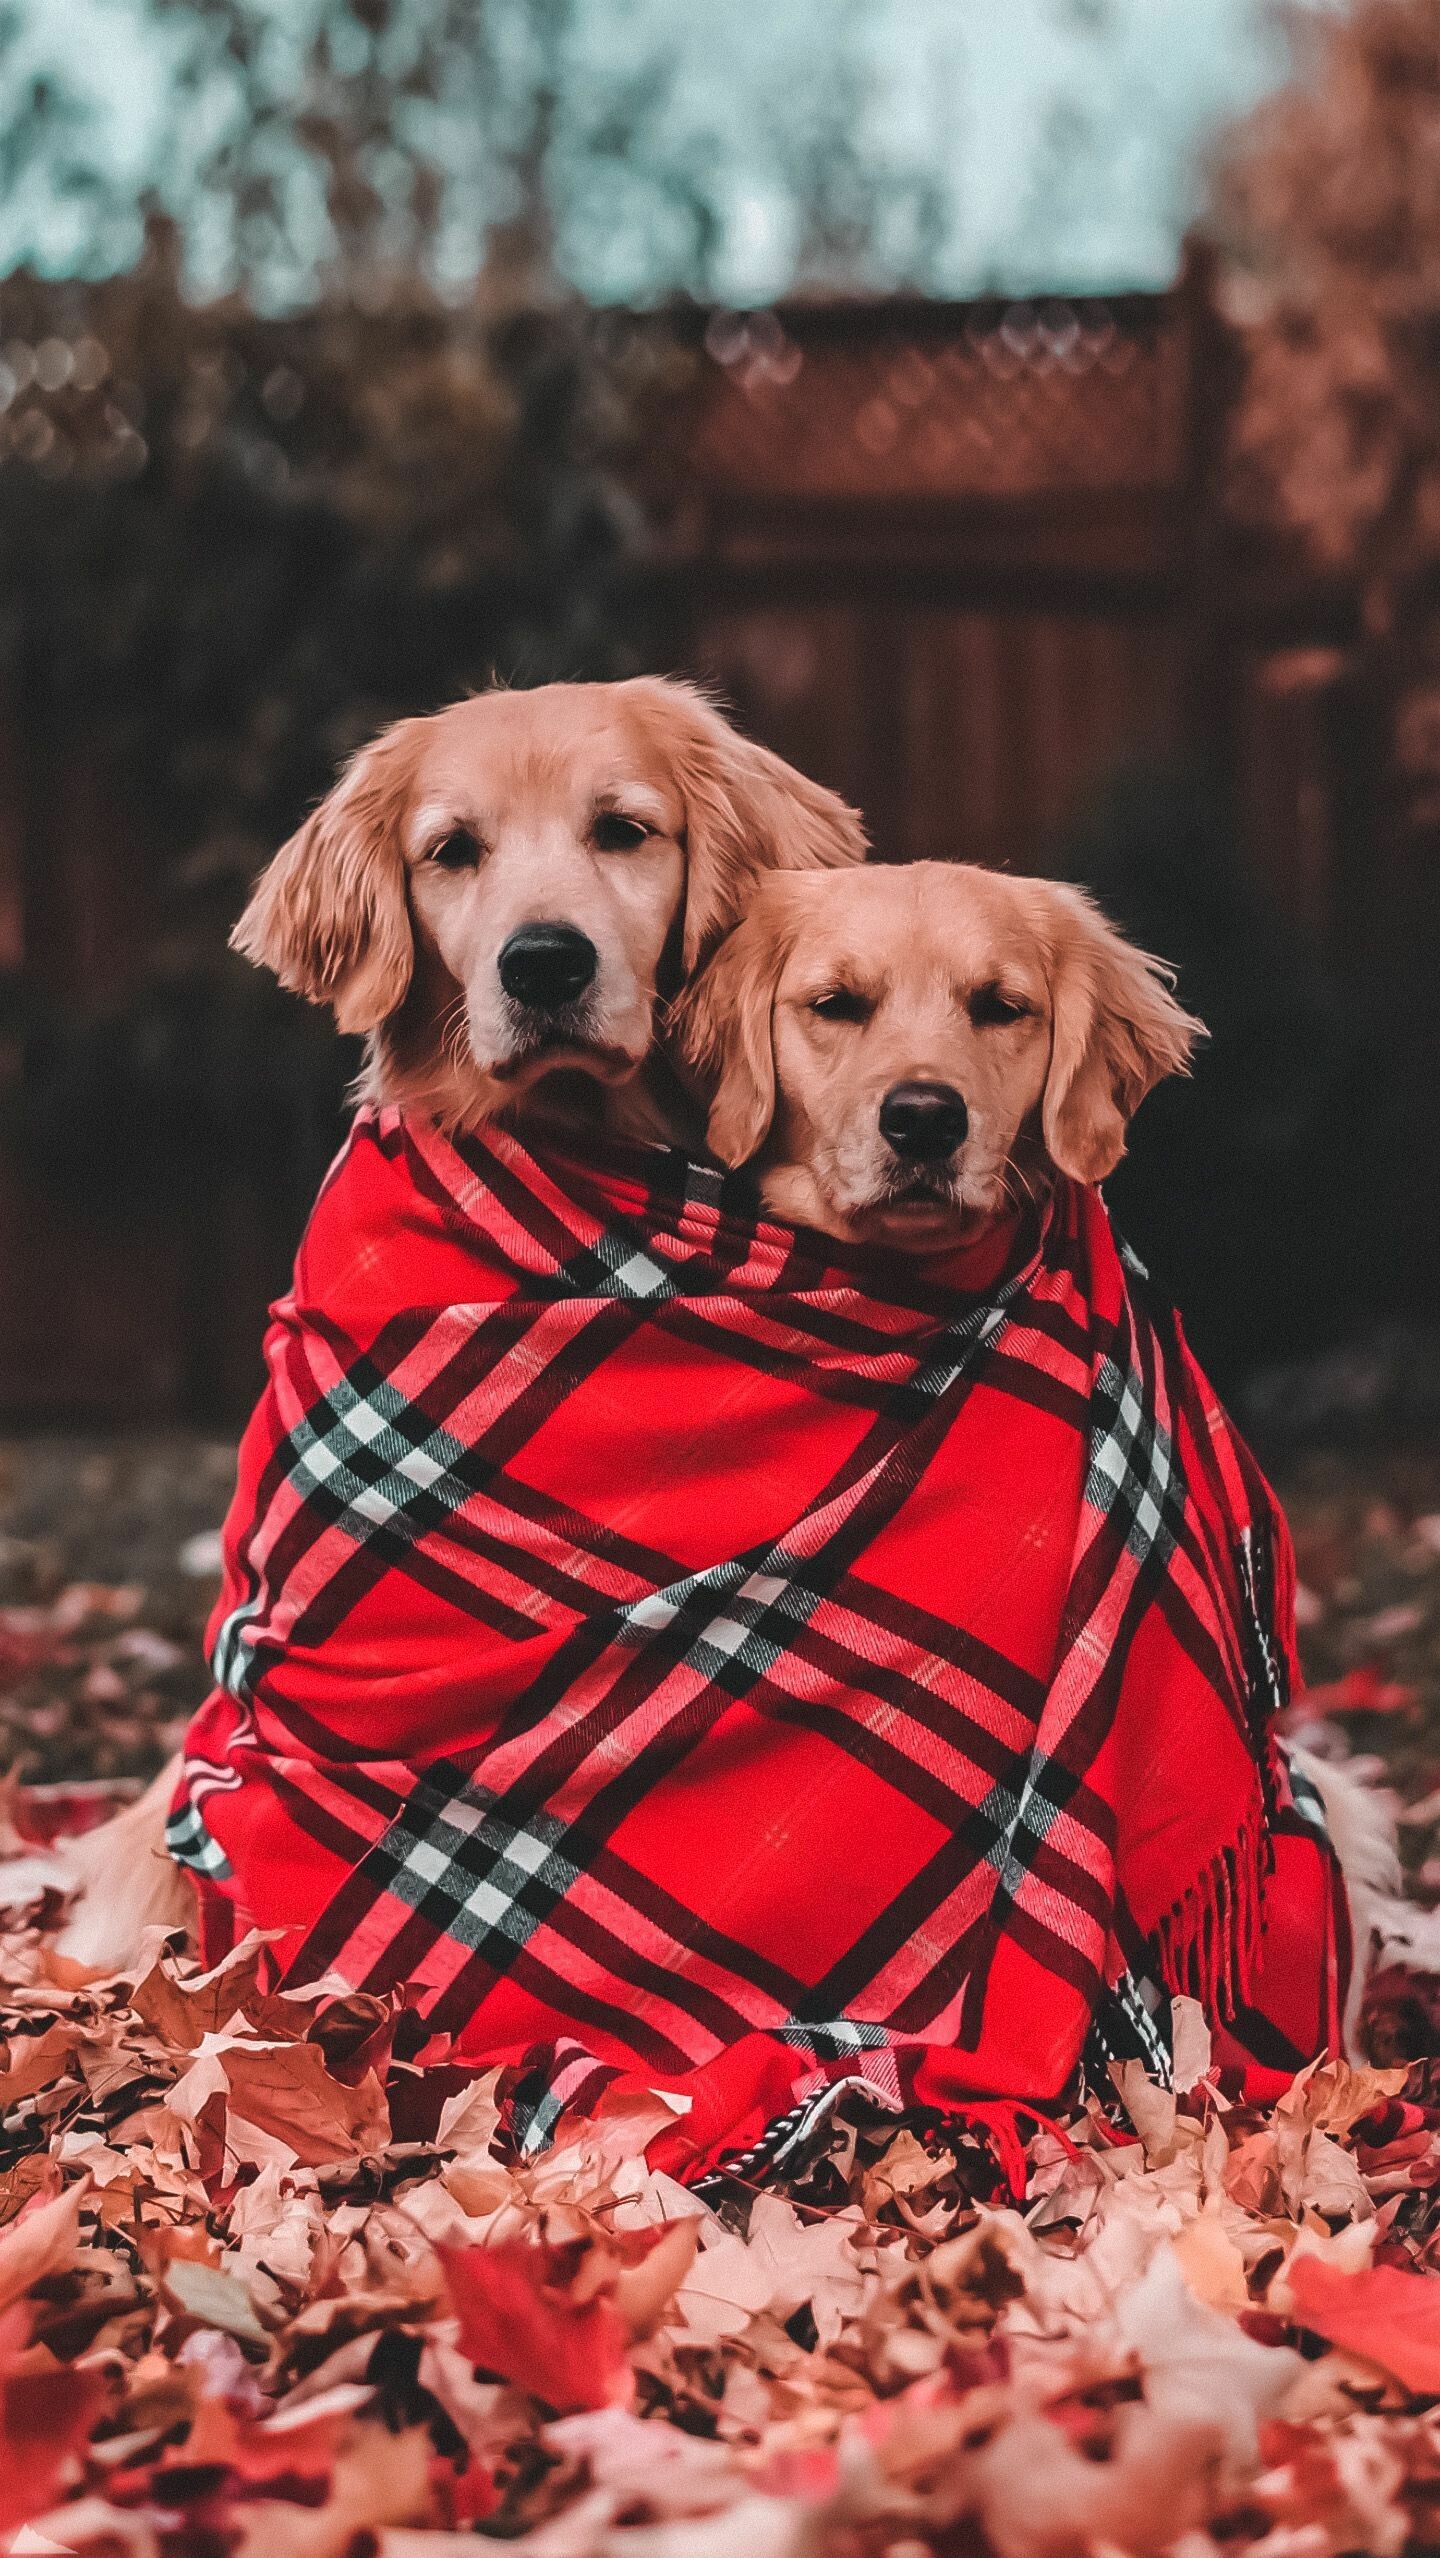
(264, 2286)
(109, 1564)
(1367, 1537)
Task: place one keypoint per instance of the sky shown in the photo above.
(1067, 137)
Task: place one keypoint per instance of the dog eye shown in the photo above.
(458, 852)
(991, 1008)
(612, 833)
(841, 1004)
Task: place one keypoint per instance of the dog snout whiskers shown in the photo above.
(545, 968)
(923, 1123)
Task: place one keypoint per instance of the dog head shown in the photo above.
(502, 892)
(889, 1047)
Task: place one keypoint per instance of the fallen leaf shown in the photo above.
(37, 2064)
(378, 2479)
(469, 2121)
(46, 2411)
(286, 2090)
(185, 2010)
(1189, 2044)
(1387, 2316)
(1196, 2364)
(42, 2240)
(644, 2289)
(215, 2298)
(1335, 2096)
(1212, 2264)
(518, 2320)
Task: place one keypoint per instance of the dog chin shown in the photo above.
(921, 1220)
(599, 1061)
(914, 1224)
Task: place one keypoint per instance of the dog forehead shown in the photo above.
(983, 921)
(912, 922)
(553, 750)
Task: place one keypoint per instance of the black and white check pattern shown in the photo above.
(471, 1875)
(1134, 1478)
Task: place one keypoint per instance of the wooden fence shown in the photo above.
(962, 562)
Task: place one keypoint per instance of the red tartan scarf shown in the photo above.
(675, 1644)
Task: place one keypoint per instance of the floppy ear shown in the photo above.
(723, 1033)
(329, 914)
(746, 811)
(1116, 1031)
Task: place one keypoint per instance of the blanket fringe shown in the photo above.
(1208, 1942)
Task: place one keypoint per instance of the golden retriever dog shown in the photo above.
(498, 896)
(501, 898)
(904, 1054)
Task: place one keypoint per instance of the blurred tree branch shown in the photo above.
(352, 147)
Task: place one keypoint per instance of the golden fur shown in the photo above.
(1014, 994)
(367, 908)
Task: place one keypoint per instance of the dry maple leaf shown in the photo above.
(286, 2090)
(519, 2320)
(38, 2063)
(1385, 2315)
(201, 2292)
(1333, 2097)
(42, 2240)
(647, 2286)
(183, 2010)
(1197, 2365)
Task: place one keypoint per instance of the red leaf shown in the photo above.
(463, 2496)
(517, 2321)
(1389, 2317)
(46, 2413)
(1361, 1691)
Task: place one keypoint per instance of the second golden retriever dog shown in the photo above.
(499, 898)
(906, 1054)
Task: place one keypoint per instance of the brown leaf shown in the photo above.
(43, 2240)
(201, 2291)
(642, 2291)
(37, 2063)
(183, 2011)
(36, 2174)
(285, 2089)
(904, 2168)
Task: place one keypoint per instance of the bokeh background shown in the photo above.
(1030, 420)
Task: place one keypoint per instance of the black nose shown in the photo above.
(546, 966)
(923, 1123)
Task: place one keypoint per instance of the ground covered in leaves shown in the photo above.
(266, 2288)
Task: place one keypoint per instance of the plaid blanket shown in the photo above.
(672, 1645)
